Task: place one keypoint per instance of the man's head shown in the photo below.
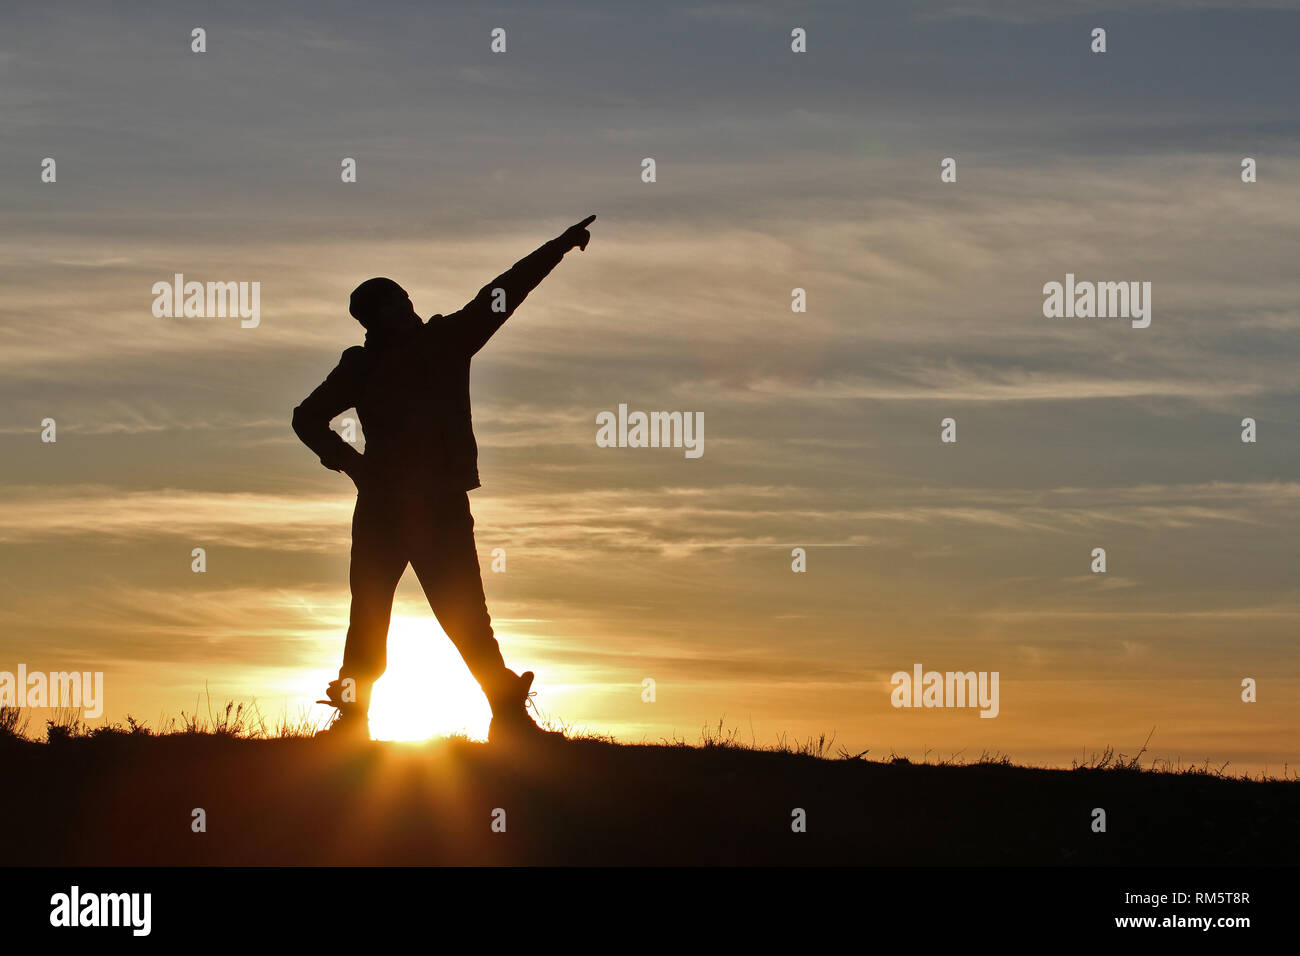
(382, 304)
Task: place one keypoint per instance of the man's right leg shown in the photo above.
(378, 562)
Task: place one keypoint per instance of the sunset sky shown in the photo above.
(775, 170)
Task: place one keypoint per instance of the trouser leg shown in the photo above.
(446, 562)
(378, 562)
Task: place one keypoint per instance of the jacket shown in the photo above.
(411, 392)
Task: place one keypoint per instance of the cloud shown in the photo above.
(238, 519)
(1025, 11)
(672, 520)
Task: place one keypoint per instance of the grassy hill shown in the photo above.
(127, 798)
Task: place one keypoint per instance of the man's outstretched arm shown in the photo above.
(311, 419)
(486, 312)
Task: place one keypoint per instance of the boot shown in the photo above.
(511, 721)
(348, 726)
(351, 722)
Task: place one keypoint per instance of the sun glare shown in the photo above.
(427, 690)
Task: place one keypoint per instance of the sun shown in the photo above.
(427, 690)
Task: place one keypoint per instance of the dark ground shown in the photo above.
(124, 799)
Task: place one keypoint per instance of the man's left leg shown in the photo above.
(446, 561)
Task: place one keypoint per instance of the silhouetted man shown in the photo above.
(410, 386)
